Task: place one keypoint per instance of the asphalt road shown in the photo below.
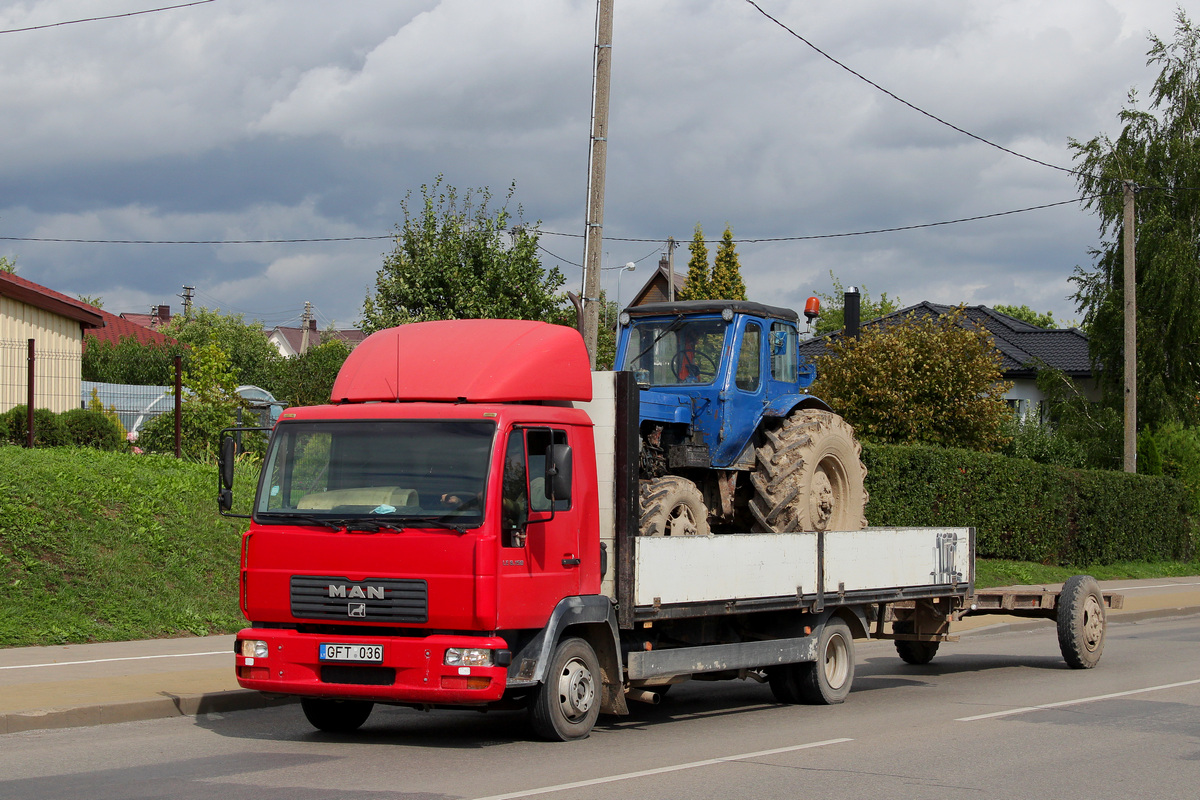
(994, 716)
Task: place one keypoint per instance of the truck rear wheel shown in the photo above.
(1081, 622)
(916, 653)
(673, 506)
(568, 701)
(336, 716)
(808, 476)
(827, 680)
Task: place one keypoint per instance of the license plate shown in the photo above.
(372, 653)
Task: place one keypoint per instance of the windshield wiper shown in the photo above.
(306, 519)
(442, 522)
(675, 325)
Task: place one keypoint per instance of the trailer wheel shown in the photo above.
(913, 652)
(808, 476)
(336, 716)
(568, 701)
(1081, 622)
(827, 680)
(673, 506)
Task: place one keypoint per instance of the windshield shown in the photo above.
(670, 352)
(388, 471)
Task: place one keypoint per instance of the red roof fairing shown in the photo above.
(472, 360)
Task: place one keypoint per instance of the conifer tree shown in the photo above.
(696, 286)
(726, 282)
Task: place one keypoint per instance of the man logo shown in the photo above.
(356, 609)
(355, 592)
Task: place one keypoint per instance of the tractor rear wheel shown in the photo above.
(673, 506)
(809, 476)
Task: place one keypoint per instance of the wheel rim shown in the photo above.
(826, 499)
(837, 661)
(681, 522)
(1093, 623)
(576, 690)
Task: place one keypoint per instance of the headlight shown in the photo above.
(252, 648)
(468, 657)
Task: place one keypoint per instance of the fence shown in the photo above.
(51, 379)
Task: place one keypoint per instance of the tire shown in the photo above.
(568, 701)
(827, 680)
(673, 506)
(808, 476)
(916, 653)
(336, 716)
(1081, 622)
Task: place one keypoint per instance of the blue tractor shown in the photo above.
(730, 438)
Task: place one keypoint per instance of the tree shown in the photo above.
(8, 265)
(696, 287)
(1159, 150)
(96, 302)
(131, 362)
(307, 379)
(929, 380)
(1027, 314)
(726, 282)
(252, 358)
(833, 316)
(451, 261)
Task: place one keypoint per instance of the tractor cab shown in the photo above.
(710, 371)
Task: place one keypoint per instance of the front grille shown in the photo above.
(358, 676)
(378, 600)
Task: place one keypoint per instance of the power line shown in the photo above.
(110, 16)
(901, 100)
(577, 235)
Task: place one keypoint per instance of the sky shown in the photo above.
(273, 120)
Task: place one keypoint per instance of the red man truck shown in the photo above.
(459, 528)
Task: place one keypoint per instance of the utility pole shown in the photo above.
(671, 268)
(187, 300)
(304, 322)
(597, 153)
(1130, 460)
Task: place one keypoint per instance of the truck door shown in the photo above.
(539, 546)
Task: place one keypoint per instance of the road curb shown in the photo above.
(138, 710)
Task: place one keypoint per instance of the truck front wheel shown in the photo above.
(568, 701)
(336, 716)
(808, 476)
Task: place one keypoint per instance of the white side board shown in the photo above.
(691, 569)
(603, 411)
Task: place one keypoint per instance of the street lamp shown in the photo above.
(630, 267)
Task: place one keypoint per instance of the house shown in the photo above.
(1024, 349)
(158, 317)
(655, 290)
(57, 324)
(121, 327)
(291, 341)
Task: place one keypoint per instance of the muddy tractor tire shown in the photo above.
(673, 506)
(808, 476)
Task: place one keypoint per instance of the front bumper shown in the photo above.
(413, 669)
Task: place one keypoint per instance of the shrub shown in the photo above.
(1026, 511)
(200, 428)
(88, 428)
(1041, 443)
(48, 431)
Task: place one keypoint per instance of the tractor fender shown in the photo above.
(785, 404)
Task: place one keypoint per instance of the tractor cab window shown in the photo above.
(673, 352)
(749, 366)
(783, 352)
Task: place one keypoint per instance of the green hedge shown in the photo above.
(1026, 511)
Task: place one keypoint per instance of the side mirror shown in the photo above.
(225, 500)
(228, 451)
(558, 472)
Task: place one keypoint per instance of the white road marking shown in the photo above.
(1026, 709)
(562, 787)
(125, 658)
(1156, 586)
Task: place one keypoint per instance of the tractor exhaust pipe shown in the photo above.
(850, 310)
